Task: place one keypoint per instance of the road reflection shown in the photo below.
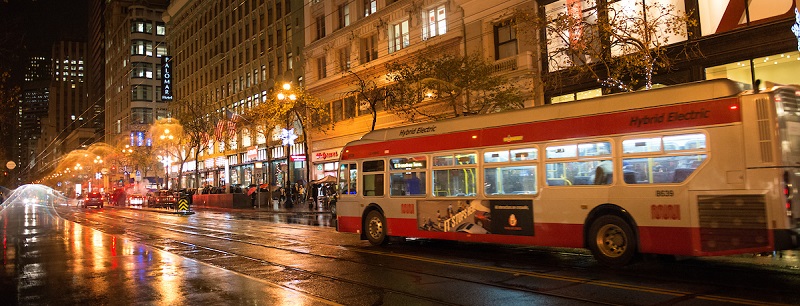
(49, 260)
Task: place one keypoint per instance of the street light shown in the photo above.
(166, 160)
(288, 137)
(98, 163)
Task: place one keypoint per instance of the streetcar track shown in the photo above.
(508, 287)
(227, 236)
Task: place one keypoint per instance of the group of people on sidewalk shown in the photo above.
(298, 193)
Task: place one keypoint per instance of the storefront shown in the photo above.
(281, 172)
(325, 163)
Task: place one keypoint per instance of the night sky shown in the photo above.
(29, 28)
(38, 23)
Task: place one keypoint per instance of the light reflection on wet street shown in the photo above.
(49, 260)
(121, 255)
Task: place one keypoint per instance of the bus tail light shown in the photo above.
(788, 192)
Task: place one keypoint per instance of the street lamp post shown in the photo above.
(127, 151)
(288, 138)
(166, 159)
(98, 163)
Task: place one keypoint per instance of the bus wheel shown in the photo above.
(376, 228)
(611, 241)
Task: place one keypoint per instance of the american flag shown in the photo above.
(218, 131)
(232, 125)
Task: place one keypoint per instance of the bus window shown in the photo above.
(348, 175)
(407, 183)
(641, 145)
(408, 176)
(591, 172)
(595, 149)
(660, 170)
(373, 182)
(510, 180)
(685, 142)
(455, 180)
(561, 151)
(495, 157)
(524, 154)
(466, 159)
(443, 160)
(504, 176)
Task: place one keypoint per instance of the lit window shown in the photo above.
(436, 23)
(370, 7)
(399, 37)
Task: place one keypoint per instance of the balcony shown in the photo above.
(523, 61)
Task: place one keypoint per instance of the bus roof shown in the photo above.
(689, 92)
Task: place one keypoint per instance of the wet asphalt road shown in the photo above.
(48, 260)
(55, 254)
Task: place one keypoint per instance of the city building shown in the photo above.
(69, 109)
(95, 65)
(741, 40)
(135, 42)
(227, 57)
(350, 40)
(33, 108)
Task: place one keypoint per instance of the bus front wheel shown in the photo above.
(612, 241)
(375, 228)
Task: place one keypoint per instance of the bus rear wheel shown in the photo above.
(611, 241)
(375, 228)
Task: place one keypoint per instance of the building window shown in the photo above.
(142, 70)
(344, 59)
(398, 36)
(344, 15)
(338, 110)
(370, 7)
(350, 107)
(161, 29)
(161, 50)
(505, 41)
(142, 93)
(321, 68)
(369, 50)
(141, 47)
(320, 26)
(141, 115)
(141, 26)
(289, 62)
(436, 22)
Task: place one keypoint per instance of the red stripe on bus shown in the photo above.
(698, 114)
(652, 240)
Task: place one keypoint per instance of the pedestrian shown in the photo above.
(315, 193)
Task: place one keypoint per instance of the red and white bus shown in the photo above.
(699, 169)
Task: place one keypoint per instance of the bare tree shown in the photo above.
(621, 45)
(369, 91)
(449, 86)
(197, 130)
